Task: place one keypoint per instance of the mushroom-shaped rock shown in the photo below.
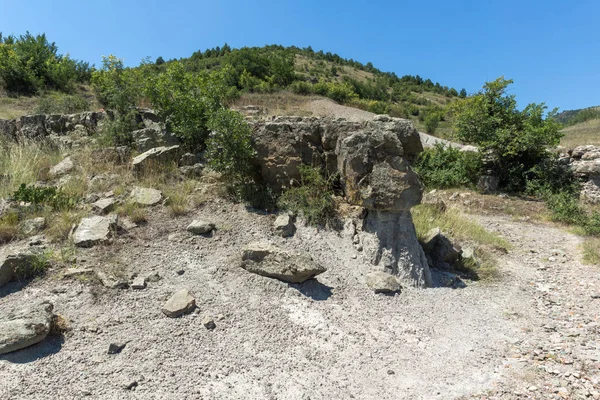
(264, 259)
(182, 302)
(23, 327)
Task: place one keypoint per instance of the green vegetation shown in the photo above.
(311, 198)
(30, 64)
(446, 167)
(49, 195)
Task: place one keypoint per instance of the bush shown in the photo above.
(431, 123)
(301, 87)
(446, 167)
(50, 196)
(62, 104)
(311, 198)
(229, 148)
(378, 107)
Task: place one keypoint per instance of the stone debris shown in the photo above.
(182, 302)
(145, 196)
(200, 227)
(95, 230)
(382, 282)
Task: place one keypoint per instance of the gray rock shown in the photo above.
(23, 327)
(62, 168)
(95, 230)
(284, 225)
(189, 159)
(112, 282)
(154, 277)
(16, 262)
(104, 206)
(182, 302)
(192, 171)
(382, 282)
(139, 283)
(437, 246)
(488, 183)
(154, 158)
(116, 348)
(264, 259)
(33, 226)
(145, 196)
(126, 224)
(199, 227)
(78, 272)
(209, 323)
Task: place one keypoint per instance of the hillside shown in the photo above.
(581, 126)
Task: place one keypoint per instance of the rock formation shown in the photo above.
(585, 161)
(373, 161)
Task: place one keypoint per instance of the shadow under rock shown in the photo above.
(446, 279)
(50, 345)
(314, 289)
(13, 287)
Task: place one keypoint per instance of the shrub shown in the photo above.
(445, 167)
(431, 123)
(342, 93)
(50, 196)
(311, 198)
(61, 104)
(378, 107)
(229, 148)
(301, 87)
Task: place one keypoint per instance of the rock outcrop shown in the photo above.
(585, 161)
(373, 161)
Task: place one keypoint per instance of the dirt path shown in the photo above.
(331, 339)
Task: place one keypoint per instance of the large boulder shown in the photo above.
(373, 161)
(265, 259)
(154, 158)
(95, 230)
(23, 327)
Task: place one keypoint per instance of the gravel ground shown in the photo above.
(325, 339)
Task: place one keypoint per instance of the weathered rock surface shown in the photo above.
(23, 327)
(265, 259)
(284, 225)
(62, 168)
(155, 157)
(382, 282)
(373, 160)
(151, 137)
(145, 196)
(15, 262)
(104, 206)
(488, 184)
(182, 302)
(199, 227)
(95, 230)
(585, 161)
(440, 249)
(33, 226)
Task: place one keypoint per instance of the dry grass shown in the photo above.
(584, 133)
(591, 251)
(60, 224)
(279, 103)
(464, 232)
(9, 227)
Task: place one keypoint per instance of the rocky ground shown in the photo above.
(532, 334)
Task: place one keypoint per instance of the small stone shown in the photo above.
(284, 225)
(104, 206)
(532, 388)
(596, 296)
(94, 230)
(145, 196)
(180, 303)
(131, 385)
(139, 283)
(116, 348)
(155, 277)
(382, 282)
(180, 272)
(62, 168)
(111, 282)
(390, 372)
(199, 227)
(209, 323)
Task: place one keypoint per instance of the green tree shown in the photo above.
(463, 93)
(514, 140)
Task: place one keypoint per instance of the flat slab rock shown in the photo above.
(182, 302)
(265, 259)
(23, 327)
(145, 196)
(94, 230)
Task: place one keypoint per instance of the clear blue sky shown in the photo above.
(550, 48)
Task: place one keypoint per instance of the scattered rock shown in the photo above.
(439, 248)
(95, 230)
(78, 272)
(33, 226)
(154, 157)
(145, 196)
(264, 259)
(23, 327)
(126, 224)
(112, 282)
(209, 323)
(596, 296)
(130, 385)
(382, 282)
(116, 348)
(180, 303)
(139, 283)
(104, 206)
(62, 168)
(154, 277)
(16, 262)
(284, 225)
(199, 227)
(192, 171)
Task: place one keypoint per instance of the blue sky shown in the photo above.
(550, 48)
